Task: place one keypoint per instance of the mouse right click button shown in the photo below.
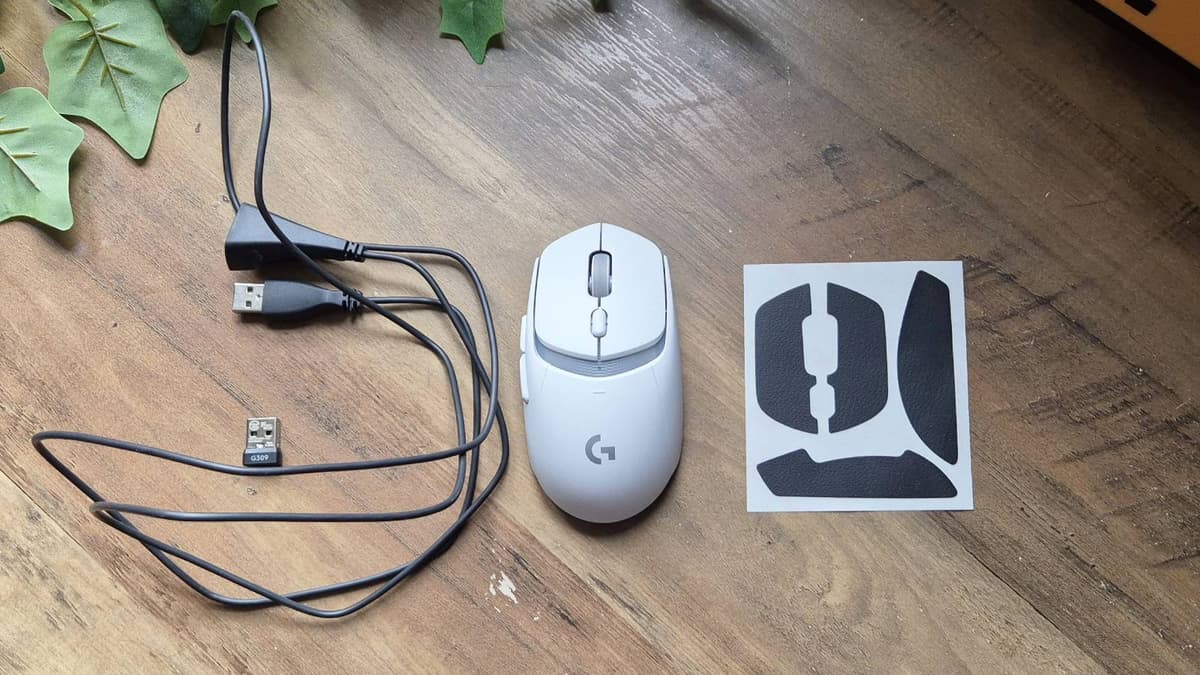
(637, 302)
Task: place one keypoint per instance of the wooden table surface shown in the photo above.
(1055, 155)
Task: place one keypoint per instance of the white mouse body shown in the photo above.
(600, 373)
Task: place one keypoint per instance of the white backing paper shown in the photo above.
(889, 432)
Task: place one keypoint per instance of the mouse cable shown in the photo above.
(279, 299)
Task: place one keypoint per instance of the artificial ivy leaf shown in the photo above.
(475, 22)
(67, 8)
(251, 8)
(75, 8)
(114, 67)
(36, 145)
(187, 20)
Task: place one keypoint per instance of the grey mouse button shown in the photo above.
(600, 274)
(599, 322)
(637, 305)
(562, 305)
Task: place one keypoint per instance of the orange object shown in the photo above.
(1174, 23)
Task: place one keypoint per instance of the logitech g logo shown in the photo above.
(606, 450)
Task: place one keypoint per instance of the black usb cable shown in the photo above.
(257, 239)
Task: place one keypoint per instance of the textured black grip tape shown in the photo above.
(782, 385)
(909, 476)
(926, 366)
(860, 383)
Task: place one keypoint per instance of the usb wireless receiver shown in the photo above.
(262, 442)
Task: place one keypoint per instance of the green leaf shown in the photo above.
(251, 8)
(1, 65)
(475, 22)
(187, 20)
(36, 145)
(114, 67)
(75, 8)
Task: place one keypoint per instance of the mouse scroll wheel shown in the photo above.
(600, 274)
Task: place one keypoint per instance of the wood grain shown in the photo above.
(1029, 139)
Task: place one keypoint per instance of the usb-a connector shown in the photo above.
(248, 298)
(289, 299)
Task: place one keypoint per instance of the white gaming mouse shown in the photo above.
(600, 373)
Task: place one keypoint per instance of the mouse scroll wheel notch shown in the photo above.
(600, 274)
